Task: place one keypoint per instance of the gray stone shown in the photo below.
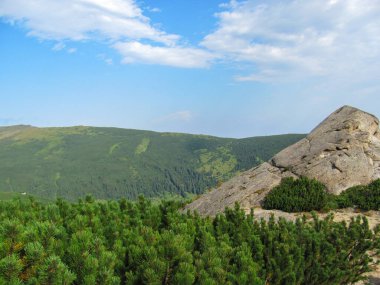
(342, 151)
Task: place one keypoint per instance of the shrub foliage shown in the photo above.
(142, 243)
(363, 197)
(297, 195)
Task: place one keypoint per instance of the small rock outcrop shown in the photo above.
(342, 151)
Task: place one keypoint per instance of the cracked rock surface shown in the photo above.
(342, 151)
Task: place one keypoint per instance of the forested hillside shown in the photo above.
(114, 163)
(139, 243)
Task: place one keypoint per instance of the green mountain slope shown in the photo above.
(113, 163)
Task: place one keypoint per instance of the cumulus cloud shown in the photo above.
(277, 40)
(83, 19)
(115, 22)
(289, 39)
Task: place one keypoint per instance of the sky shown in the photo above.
(217, 67)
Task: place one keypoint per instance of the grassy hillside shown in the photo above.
(115, 163)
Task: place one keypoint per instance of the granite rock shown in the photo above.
(342, 151)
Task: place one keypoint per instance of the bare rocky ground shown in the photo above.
(339, 216)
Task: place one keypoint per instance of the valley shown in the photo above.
(112, 163)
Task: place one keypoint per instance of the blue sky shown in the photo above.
(233, 69)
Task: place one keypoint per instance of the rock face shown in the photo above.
(342, 151)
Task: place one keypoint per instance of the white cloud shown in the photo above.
(83, 19)
(276, 40)
(293, 39)
(177, 56)
(119, 23)
(59, 46)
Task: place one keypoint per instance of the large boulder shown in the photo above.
(342, 151)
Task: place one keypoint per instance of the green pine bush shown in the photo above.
(363, 197)
(297, 195)
(97, 242)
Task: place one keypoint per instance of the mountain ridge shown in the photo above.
(70, 162)
(24, 126)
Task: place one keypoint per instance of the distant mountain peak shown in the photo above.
(342, 151)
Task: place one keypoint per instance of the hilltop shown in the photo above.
(341, 152)
(112, 163)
